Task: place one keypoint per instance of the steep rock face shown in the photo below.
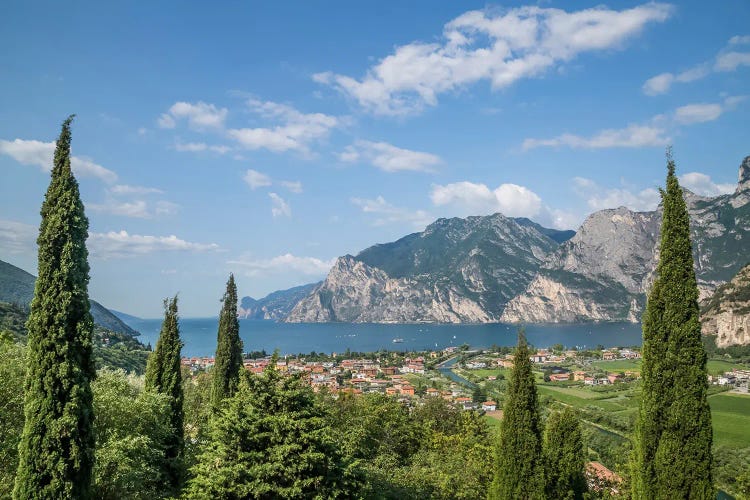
(612, 259)
(727, 313)
(457, 270)
(274, 306)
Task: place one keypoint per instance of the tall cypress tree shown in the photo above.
(564, 456)
(56, 453)
(672, 453)
(519, 469)
(228, 363)
(164, 375)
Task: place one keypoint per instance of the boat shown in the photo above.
(397, 341)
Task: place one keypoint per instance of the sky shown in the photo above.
(266, 139)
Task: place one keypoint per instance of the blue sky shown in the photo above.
(268, 139)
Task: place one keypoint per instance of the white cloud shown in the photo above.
(200, 116)
(124, 189)
(387, 213)
(279, 207)
(296, 131)
(310, 266)
(484, 45)
(389, 158)
(697, 113)
(41, 154)
(194, 147)
(17, 237)
(599, 198)
(121, 244)
(703, 185)
(725, 61)
(468, 198)
(140, 209)
(633, 136)
(293, 186)
(256, 179)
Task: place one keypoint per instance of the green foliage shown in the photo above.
(13, 320)
(12, 371)
(228, 360)
(731, 470)
(164, 376)
(270, 440)
(131, 428)
(672, 456)
(519, 471)
(564, 457)
(56, 453)
(198, 412)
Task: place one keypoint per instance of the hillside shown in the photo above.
(275, 306)
(456, 270)
(17, 287)
(727, 313)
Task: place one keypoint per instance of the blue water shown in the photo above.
(199, 336)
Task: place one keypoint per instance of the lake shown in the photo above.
(199, 335)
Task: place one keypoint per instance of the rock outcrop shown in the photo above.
(727, 314)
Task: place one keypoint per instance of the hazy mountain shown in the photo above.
(17, 287)
(276, 305)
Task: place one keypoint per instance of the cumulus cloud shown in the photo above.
(41, 154)
(194, 147)
(386, 213)
(138, 209)
(121, 244)
(599, 198)
(632, 136)
(727, 60)
(703, 185)
(468, 198)
(17, 237)
(256, 179)
(127, 189)
(295, 131)
(388, 157)
(279, 207)
(697, 113)
(199, 116)
(500, 47)
(309, 266)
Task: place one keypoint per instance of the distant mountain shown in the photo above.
(727, 313)
(560, 236)
(456, 270)
(276, 305)
(604, 272)
(17, 287)
(125, 317)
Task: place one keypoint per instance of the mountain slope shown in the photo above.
(276, 305)
(17, 287)
(605, 270)
(727, 313)
(457, 270)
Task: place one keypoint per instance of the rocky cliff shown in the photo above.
(456, 271)
(727, 314)
(274, 306)
(604, 272)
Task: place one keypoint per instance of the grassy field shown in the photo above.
(619, 365)
(719, 366)
(730, 414)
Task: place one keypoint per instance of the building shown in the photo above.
(489, 406)
(559, 377)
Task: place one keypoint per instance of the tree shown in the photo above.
(164, 376)
(228, 363)
(270, 440)
(564, 456)
(56, 452)
(672, 452)
(519, 471)
(12, 372)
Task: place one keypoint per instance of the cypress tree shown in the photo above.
(564, 456)
(519, 467)
(164, 375)
(56, 452)
(228, 362)
(672, 452)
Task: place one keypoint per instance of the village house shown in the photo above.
(559, 377)
(432, 392)
(539, 357)
(579, 375)
(600, 478)
(489, 406)
(609, 355)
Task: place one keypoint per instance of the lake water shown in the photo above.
(199, 335)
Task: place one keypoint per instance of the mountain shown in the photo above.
(604, 272)
(727, 313)
(456, 270)
(276, 305)
(17, 287)
(125, 317)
